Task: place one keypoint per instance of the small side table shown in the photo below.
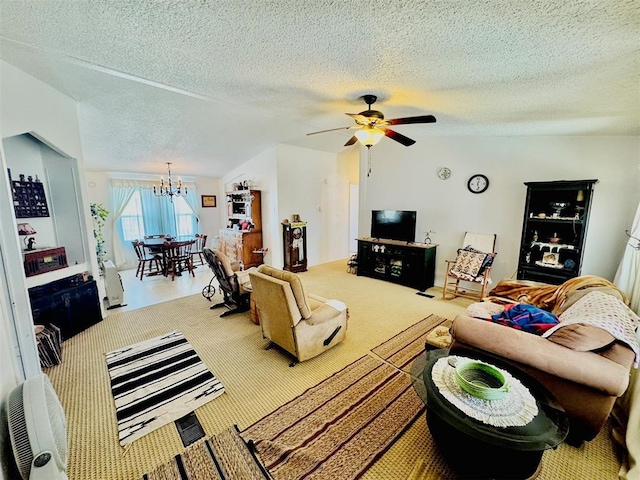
(477, 450)
(253, 307)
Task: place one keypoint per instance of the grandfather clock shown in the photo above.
(294, 241)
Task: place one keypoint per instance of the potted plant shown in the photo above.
(99, 215)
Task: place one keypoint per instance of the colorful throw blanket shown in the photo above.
(526, 317)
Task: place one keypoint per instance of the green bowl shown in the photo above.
(481, 380)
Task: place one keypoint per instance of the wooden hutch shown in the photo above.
(241, 241)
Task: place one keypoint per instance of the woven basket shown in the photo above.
(481, 380)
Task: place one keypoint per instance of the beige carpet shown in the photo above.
(259, 381)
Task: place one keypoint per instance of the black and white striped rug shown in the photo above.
(157, 381)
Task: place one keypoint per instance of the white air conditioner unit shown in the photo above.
(113, 285)
(38, 430)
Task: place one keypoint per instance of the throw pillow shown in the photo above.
(467, 265)
(487, 262)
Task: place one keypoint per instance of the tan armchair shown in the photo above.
(305, 325)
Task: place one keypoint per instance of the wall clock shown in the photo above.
(478, 183)
(444, 173)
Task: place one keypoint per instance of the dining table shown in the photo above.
(160, 247)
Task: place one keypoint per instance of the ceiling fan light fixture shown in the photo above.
(369, 136)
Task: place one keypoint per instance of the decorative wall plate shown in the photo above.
(444, 173)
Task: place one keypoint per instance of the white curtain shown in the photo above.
(627, 277)
(192, 200)
(628, 407)
(121, 193)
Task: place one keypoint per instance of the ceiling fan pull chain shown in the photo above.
(368, 161)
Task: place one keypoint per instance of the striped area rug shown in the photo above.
(338, 428)
(157, 381)
(221, 457)
(402, 349)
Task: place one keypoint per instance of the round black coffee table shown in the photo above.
(478, 450)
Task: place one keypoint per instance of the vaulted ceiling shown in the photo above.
(208, 85)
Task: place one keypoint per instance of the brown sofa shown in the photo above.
(585, 383)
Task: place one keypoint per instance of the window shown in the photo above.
(186, 221)
(131, 219)
(158, 216)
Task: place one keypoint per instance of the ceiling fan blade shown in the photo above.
(408, 120)
(351, 141)
(335, 129)
(406, 141)
(360, 119)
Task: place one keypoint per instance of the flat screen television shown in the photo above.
(394, 225)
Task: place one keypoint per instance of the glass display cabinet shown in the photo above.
(554, 230)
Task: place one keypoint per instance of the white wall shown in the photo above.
(405, 179)
(24, 156)
(28, 106)
(262, 170)
(311, 183)
(315, 185)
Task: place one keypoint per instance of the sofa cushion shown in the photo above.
(583, 338)
(607, 312)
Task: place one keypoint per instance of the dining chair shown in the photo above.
(201, 242)
(178, 258)
(146, 261)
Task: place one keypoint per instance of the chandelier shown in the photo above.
(168, 189)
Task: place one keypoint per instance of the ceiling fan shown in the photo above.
(372, 126)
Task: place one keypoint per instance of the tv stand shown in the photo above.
(406, 263)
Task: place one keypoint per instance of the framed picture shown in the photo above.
(550, 258)
(208, 200)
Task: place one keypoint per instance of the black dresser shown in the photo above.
(71, 303)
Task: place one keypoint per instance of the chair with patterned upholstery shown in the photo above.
(472, 267)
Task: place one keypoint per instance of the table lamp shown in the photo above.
(24, 230)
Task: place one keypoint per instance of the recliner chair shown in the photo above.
(234, 283)
(305, 325)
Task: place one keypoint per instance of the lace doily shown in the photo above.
(516, 409)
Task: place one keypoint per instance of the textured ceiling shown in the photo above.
(208, 85)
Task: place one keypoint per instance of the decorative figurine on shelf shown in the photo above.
(31, 243)
(427, 237)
